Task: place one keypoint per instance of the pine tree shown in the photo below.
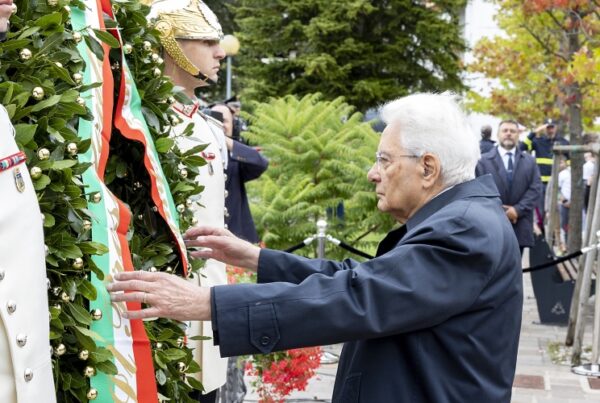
(319, 153)
(366, 51)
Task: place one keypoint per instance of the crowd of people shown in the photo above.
(535, 150)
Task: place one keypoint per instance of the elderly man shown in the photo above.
(435, 317)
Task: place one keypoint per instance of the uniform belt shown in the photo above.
(12, 160)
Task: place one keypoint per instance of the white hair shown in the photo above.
(435, 123)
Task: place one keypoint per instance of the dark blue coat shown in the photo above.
(524, 193)
(434, 318)
(245, 163)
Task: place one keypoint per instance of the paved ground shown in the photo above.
(538, 380)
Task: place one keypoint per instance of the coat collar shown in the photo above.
(483, 186)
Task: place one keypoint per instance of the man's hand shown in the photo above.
(6, 10)
(511, 214)
(540, 129)
(166, 296)
(222, 245)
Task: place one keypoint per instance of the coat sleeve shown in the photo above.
(252, 163)
(533, 193)
(432, 276)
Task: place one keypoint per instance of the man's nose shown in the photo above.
(373, 174)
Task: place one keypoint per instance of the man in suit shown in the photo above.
(518, 180)
(25, 365)
(245, 164)
(442, 287)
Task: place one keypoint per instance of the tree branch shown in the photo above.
(556, 21)
(544, 44)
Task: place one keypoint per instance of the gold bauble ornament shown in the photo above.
(78, 78)
(43, 154)
(77, 37)
(96, 314)
(72, 149)
(147, 46)
(183, 172)
(96, 197)
(88, 371)
(37, 93)
(127, 48)
(180, 208)
(64, 297)
(77, 263)
(157, 72)
(25, 54)
(86, 225)
(35, 172)
(92, 394)
(84, 355)
(61, 349)
(174, 119)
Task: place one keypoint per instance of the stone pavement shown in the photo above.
(538, 379)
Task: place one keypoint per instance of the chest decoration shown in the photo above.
(209, 157)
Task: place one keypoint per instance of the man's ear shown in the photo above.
(430, 164)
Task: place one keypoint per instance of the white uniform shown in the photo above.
(25, 366)
(211, 212)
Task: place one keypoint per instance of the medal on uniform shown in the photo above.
(19, 181)
(209, 157)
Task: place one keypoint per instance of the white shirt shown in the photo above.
(504, 155)
(564, 183)
(588, 171)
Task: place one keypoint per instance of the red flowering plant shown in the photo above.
(278, 374)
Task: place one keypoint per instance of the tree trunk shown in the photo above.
(574, 100)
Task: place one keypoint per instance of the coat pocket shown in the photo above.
(351, 389)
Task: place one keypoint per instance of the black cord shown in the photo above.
(349, 248)
(295, 247)
(553, 262)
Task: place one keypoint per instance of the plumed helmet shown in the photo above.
(184, 19)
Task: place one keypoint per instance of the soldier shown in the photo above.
(190, 34)
(25, 365)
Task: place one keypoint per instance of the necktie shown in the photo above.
(509, 170)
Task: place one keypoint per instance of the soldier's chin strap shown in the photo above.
(204, 78)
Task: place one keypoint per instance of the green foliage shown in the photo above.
(366, 51)
(319, 153)
(50, 123)
(533, 64)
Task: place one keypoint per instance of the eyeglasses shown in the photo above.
(383, 161)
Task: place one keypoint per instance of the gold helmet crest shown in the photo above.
(184, 19)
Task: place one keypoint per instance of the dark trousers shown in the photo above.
(207, 398)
